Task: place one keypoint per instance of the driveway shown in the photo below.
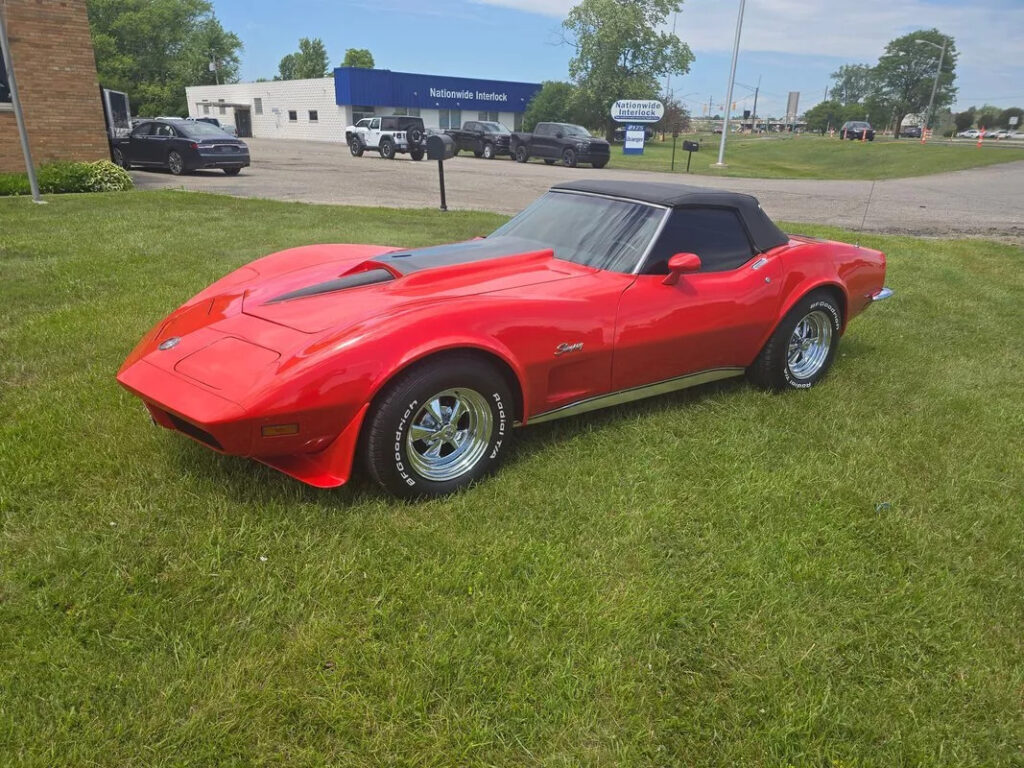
(985, 202)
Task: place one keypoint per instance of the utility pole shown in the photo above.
(938, 73)
(668, 75)
(732, 77)
(753, 114)
(19, 115)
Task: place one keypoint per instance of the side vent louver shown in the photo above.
(369, 277)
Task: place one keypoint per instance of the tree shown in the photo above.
(1006, 114)
(676, 118)
(358, 57)
(851, 83)
(964, 120)
(620, 53)
(905, 73)
(310, 61)
(987, 117)
(827, 114)
(153, 49)
(554, 102)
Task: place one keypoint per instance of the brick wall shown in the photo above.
(56, 72)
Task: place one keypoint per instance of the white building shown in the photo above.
(320, 109)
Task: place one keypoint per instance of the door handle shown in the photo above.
(759, 263)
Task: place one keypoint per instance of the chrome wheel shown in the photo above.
(449, 434)
(810, 344)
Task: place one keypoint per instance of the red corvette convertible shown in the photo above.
(422, 362)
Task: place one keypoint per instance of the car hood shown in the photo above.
(341, 291)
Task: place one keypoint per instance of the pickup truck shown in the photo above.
(483, 139)
(551, 142)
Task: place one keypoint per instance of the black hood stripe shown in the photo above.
(408, 262)
(369, 277)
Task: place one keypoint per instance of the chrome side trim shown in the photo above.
(759, 263)
(650, 246)
(636, 393)
(883, 294)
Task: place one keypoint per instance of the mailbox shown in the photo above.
(691, 146)
(440, 146)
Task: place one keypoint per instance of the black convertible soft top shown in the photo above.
(762, 230)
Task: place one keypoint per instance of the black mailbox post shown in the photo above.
(691, 147)
(440, 147)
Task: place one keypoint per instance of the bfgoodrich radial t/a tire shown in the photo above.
(803, 346)
(438, 427)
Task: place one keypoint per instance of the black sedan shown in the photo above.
(856, 130)
(180, 146)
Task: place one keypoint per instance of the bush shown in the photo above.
(57, 178)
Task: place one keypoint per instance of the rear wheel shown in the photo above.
(387, 149)
(120, 159)
(439, 427)
(803, 346)
(521, 154)
(175, 163)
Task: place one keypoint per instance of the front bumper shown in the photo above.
(220, 160)
(883, 294)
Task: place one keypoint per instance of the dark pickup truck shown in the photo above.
(482, 138)
(551, 142)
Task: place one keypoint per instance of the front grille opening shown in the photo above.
(194, 432)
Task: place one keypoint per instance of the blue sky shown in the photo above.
(788, 44)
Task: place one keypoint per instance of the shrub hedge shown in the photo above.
(57, 178)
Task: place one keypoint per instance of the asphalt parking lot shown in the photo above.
(977, 202)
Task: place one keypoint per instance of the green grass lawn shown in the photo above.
(721, 577)
(815, 157)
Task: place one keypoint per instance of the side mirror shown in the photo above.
(680, 264)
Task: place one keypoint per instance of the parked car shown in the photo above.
(998, 134)
(389, 135)
(551, 142)
(971, 133)
(482, 138)
(855, 129)
(911, 131)
(180, 146)
(422, 362)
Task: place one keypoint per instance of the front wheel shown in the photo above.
(175, 163)
(439, 427)
(355, 146)
(488, 152)
(521, 154)
(803, 346)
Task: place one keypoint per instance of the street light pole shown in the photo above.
(19, 116)
(938, 73)
(728, 94)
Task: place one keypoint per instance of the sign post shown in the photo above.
(19, 116)
(636, 113)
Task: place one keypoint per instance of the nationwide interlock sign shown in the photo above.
(637, 111)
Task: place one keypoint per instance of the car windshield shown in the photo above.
(198, 130)
(586, 229)
(495, 128)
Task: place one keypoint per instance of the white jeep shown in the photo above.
(388, 135)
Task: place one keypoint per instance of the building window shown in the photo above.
(258, 106)
(293, 116)
(313, 116)
(206, 109)
(222, 110)
(517, 121)
(410, 111)
(450, 118)
(358, 113)
(5, 88)
(490, 117)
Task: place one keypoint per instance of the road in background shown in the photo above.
(987, 202)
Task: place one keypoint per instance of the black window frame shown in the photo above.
(293, 115)
(314, 115)
(134, 133)
(5, 82)
(656, 260)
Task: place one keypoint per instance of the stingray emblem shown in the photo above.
(564, 347)
(170, 343)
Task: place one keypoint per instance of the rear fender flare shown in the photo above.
(802, 290)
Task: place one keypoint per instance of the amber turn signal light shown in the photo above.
(278, 430)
